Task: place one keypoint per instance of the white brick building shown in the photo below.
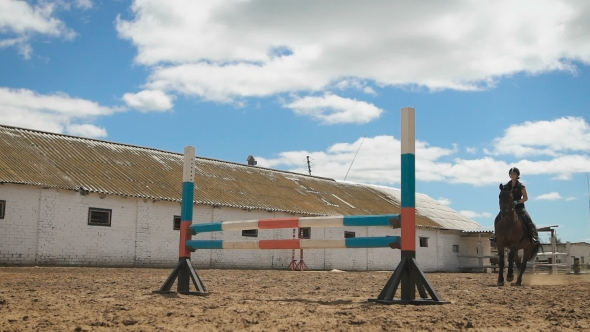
(51, 184)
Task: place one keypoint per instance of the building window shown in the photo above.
(176, 223)
(2, 208)
(423, 242)
(582, 260)
(305, 233)
(455, 248)
(99, 217)
(250, 232)
(349, 235)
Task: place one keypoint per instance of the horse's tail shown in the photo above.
(535, 251)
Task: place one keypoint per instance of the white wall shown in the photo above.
(580, 250)
(50, 227)
(18, 229)
(577, 250)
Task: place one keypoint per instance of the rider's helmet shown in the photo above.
(514, 170)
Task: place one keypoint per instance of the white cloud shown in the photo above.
(471, 150)
(378, 162)
(86, 130)
(571, 198)
(84, 4)
(562, 167)
(56, 112)
(473, 214)
(229, 81)
(444, 201)
(552, 196)
(226, 50)
(369, 90)
(149, 100)
(550, 138)
(331, 109)
(21, 20)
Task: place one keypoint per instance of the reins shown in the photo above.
(504, 216)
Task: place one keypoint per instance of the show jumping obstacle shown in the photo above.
(407, 273)
(359, 242)
(298, 222)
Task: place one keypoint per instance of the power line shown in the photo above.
(357, 152)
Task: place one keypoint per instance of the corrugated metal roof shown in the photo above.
(59, 161)
(480, 230)
(431, 209)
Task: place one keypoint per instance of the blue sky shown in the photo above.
(493, 88)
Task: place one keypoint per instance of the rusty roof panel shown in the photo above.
(60, 161)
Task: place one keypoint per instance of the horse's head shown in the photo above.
(506, 201)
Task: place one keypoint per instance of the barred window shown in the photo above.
(349, 235)
(423, 242)
(99, 217)
(176, 223)
(250, 232)
(455, 248)
(305, 232)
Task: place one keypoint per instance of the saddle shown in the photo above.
(523, 219)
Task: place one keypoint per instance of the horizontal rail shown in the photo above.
(468, 256)
(360, 242)
(478, 267)
(553, 254)
(391, 220)
(557, 264)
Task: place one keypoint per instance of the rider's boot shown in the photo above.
(533, 234)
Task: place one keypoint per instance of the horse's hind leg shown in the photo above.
(527, 254)
(517, 260)
(510, 275)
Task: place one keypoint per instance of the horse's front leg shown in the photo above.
(500, 267)
(510, 274)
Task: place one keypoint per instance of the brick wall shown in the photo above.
(50, 227)
(18, 229)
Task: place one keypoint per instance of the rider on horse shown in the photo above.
(520, 196)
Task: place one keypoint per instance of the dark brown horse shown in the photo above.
(511, 235)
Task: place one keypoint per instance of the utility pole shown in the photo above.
(308, 165)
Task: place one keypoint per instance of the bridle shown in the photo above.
(504, 213)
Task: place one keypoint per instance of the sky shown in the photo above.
(495, 84)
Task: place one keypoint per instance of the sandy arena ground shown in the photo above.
(121, 299)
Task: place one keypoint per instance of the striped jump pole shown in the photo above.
(392, 220)
(184, 271)
(407, 272)
(359, 242)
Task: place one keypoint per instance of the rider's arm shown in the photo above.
(525, 197)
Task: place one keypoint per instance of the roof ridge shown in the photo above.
(162, 151)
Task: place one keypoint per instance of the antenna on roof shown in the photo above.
(357, 152)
